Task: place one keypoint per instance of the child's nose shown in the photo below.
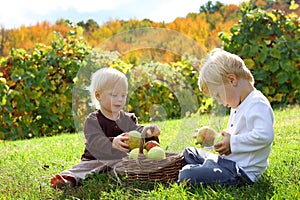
(121, 98)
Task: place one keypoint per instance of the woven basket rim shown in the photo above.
(143, 165)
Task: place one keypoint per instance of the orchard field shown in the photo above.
(44, 103)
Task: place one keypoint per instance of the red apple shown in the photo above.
(150, 144)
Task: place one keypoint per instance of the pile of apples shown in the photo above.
(151, 149)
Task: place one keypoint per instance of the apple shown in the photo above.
(133, 140)
(206, 136)
(150, 144)
(145, 152)
(218, 138)
(134, 153)
(156, 153)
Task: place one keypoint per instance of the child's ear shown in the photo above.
(232, 79)
(97, 95)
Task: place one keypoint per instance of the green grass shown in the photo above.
(26, 166)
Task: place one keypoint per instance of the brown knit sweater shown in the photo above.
(99, 132)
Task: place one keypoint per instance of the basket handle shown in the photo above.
(146, 130)
(142, 141)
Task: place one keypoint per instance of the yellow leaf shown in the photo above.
(54, 109)
(249, 63)
(293, 5)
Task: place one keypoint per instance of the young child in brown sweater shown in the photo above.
(105, 129)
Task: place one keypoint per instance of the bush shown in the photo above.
(43, 92)
(269, 43)
(37, 87)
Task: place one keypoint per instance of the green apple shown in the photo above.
(133, 139)
(134, 153)
(156, 153)
(218, 138)
(145, 152)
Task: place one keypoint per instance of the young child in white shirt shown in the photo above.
(244, 150)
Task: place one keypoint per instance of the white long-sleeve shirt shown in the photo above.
(252, 133)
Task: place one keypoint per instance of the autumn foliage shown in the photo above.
(45, 68)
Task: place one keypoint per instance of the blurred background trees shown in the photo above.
(40, 65)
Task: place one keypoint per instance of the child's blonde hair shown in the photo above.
(101, 79)
(218, 65)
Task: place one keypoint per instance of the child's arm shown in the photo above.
(258, 132)
(118, 143)
(151, 130)
(97, 143)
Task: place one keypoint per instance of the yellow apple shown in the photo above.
(133, 139)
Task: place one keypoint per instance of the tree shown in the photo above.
(3, 40)
(89, 26)
(209, 7)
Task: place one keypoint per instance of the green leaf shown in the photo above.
(282, 77)
(260, 74)
(253, 51)
(245, 50)
(275, 53)
(274, 66)
(262, 56)
(295, 81)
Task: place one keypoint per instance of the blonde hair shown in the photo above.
(101, 79)
(218, 65)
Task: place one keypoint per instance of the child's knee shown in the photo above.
(192, 156)
(187, 173)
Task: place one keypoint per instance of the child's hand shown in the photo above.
(118, 143)
(195, 137)
(151, 130)
(223, 147)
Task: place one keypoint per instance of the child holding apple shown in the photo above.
(246, 144)
(105, 130)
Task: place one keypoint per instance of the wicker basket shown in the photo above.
(153, 171)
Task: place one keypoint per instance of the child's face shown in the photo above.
(113, 98)
(225, 94)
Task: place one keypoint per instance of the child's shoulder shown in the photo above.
(93, 115)
(127, 114)
(259, 97)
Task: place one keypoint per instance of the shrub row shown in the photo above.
(269, 42)
(43, 91)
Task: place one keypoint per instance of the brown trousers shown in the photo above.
(86, 167)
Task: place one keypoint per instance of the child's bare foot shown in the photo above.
(59, 182)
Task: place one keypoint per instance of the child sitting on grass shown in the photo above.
(105, 129)
(245, 148)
